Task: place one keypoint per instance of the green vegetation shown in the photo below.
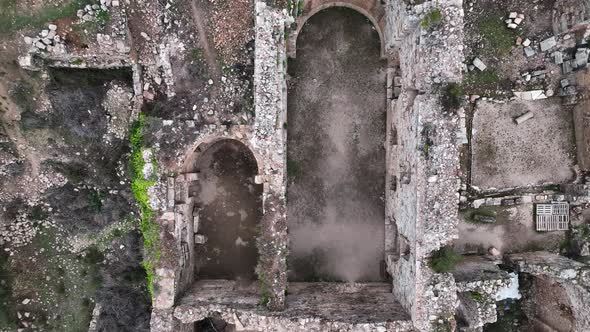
(445, 260)
(103, 17)
(12, 17)
(37, 213)
(452, 96)
(476, 296)
(139, 186)
(196, 54)
(432, 18)
(497, 37)
(103, 239)
(510, 314)
(487, 82)
(95, 198)
(300, 6)
(77, 61)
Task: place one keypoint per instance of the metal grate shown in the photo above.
(553, 217)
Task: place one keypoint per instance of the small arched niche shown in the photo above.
(227, 210)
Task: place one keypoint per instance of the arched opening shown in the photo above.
(372, 10)
(336, 154)
(227, 208)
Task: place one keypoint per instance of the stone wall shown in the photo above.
(569, 15)
(574, 278)
(425, 156)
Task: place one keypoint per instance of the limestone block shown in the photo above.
(200, 239)
(164, 289)
(170, 193)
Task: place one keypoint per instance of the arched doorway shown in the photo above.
(228, 205)
(336, 155)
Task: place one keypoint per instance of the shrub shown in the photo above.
(434, 17)
(445, 260)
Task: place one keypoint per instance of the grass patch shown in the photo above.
(196, 54)
(13, 19)
(103, 17)
(433, 18)
(476, 296)
(77, 62)
(95, 198)
(498, 39)
(104, 239)
(487, 82)
(139, 186)
(445, 260)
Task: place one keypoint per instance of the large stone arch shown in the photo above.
(226, 208)
(373, 10)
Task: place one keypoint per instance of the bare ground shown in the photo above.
(231, 208)
(540, 150)
(336, 159)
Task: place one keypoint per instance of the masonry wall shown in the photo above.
(426, 157)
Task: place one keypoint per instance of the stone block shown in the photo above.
(170, 193)
(200, 239)
(548, 44)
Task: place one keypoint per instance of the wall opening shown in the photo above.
(336, 154)
(227, 209)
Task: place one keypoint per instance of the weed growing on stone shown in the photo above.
(476, 296)
(139, 186)
(103, 17)
(433, 18)
(445, 260)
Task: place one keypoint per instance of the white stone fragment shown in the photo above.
(526, 42)
(548, 44)
(479, 64)
(513, 15)
(52, 27)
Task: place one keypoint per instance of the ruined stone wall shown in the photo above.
(573, 276)
(426, 157)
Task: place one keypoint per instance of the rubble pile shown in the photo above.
(47, 40)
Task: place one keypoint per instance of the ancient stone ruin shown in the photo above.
(343, 174)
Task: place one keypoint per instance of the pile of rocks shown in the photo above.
(89, 12)
(47, 40)
(580, 60)
(514, 19)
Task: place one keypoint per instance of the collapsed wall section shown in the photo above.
(425, 156)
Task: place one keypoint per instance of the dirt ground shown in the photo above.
(336, 159)
(538, 151)
(514, 231)
(231, 208)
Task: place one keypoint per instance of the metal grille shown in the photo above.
(553, 217)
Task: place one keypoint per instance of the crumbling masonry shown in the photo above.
(421, 208)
